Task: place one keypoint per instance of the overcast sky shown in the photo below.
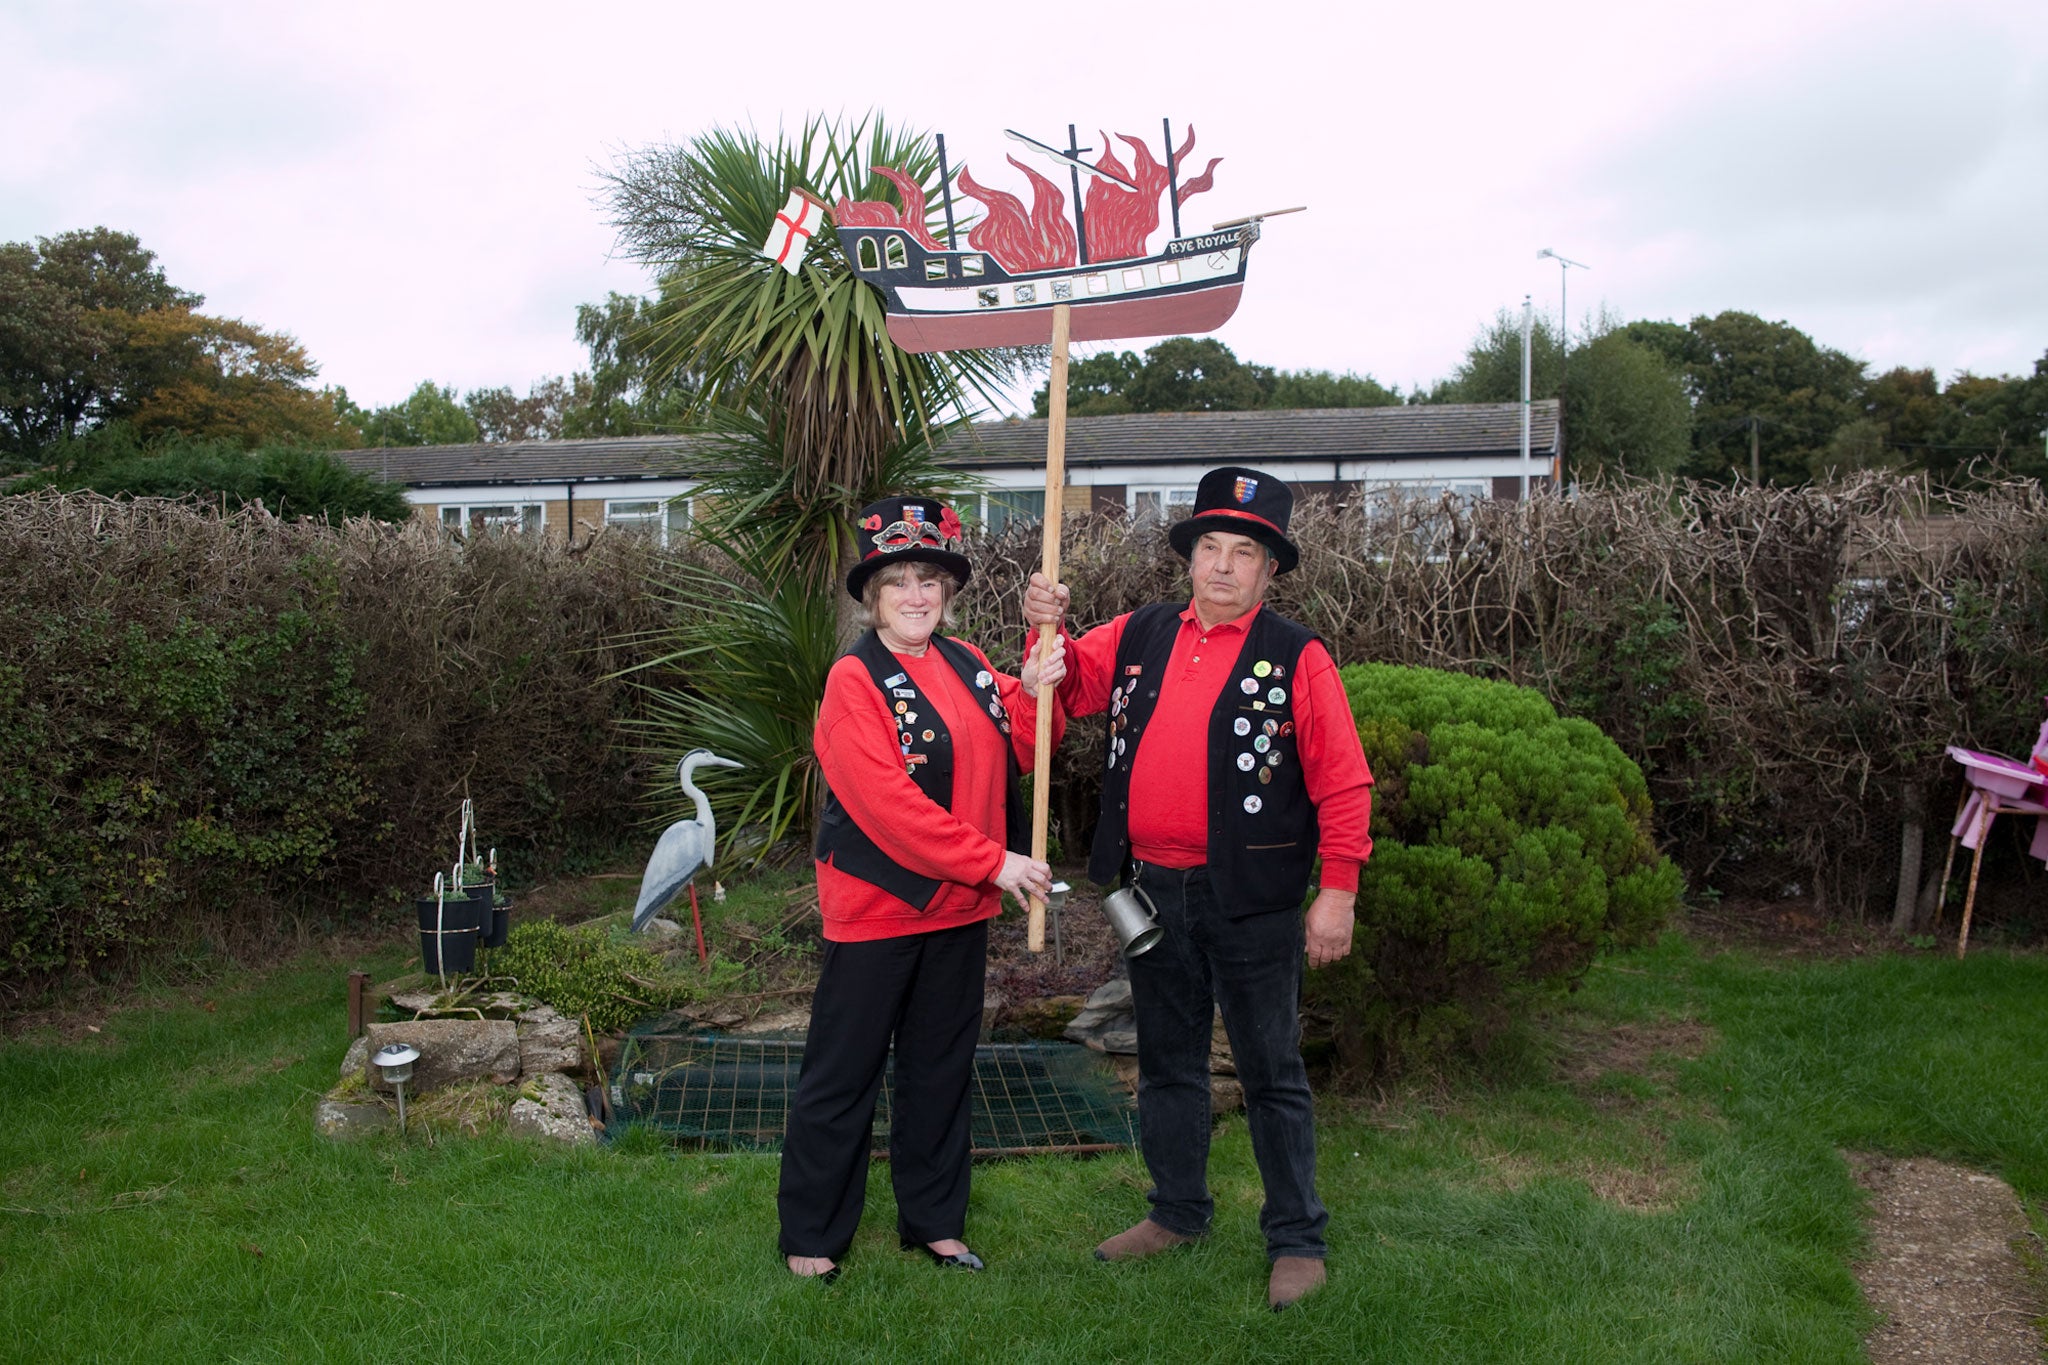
(411, 189)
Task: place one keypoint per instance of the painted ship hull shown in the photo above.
(965, 300)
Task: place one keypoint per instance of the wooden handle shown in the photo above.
(1055, 483)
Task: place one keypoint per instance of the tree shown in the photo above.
(429, 416)
(1197, 374)
(1322, 389)
(1097, 386)
(68, 309)
(1998, 425)
(224, 379)
(629, 391)
(1625, 409)
(91, 332)
(290, 480)
(543, 415)
(1492, 368)
(1201, 374)
(1768, 382)
(814, 399)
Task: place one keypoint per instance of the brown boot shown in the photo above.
(1294, 1277)
(1135, 1244)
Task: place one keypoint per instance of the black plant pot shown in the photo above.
(448, 933)
(496, 922)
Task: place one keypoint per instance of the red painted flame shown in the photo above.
(881, 213)
(1042, 239)
(1189, 188)
(1120, 220)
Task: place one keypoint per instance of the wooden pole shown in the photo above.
(1055, 484)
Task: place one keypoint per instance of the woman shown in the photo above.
(921, 742)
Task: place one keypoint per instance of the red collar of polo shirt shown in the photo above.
(1243, 622)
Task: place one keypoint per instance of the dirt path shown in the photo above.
(1945, 1265)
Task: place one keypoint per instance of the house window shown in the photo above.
(870, 257)
(1169, 272)
(1465, 491)
(1098, 284)
(970, 265)
(1161, 504)
(1063, 289)
(935, 267)
(1003, 507)
(896, 253)
(1027, 293)
(1134, 279)
(524, 517)
(666, 519)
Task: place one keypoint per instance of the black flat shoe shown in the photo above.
(961, 1260)
(822, 1277)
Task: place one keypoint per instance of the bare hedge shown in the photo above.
(1786, 664)
(233, 717)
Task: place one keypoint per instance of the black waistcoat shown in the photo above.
(927, 749)
(1262, 825)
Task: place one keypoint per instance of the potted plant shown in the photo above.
(448, 920)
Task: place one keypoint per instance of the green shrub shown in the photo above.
(1509, 846)
(583, 973)
(210, 723)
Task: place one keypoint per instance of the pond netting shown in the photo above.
(723, 1090)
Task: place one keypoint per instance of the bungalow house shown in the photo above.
(1145, 464)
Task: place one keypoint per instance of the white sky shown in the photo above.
(410, 188)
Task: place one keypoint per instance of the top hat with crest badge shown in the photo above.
(1245, 502)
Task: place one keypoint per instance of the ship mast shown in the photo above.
(1172, 172)
(946, 191)
(1074, 150)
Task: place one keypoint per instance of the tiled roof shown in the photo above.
(603, 457)
(1236, 437)
(1391, 433)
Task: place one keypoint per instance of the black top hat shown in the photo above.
(902, 531)
(1245, 502)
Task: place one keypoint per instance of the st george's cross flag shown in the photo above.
(794, 227)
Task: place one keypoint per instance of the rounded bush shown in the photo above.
(1509, 846)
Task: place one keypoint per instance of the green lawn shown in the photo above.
(1661, 1184)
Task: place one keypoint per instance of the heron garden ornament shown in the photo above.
(683, 848)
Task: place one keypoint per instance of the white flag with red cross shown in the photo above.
(794, 227)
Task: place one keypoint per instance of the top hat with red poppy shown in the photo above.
(906, 530)
(1245, 502)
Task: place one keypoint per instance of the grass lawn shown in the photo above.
(1655, 1179)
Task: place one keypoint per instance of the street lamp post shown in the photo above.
(1564, 317)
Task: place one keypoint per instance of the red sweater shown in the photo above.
(1170, 771)
(856, 744)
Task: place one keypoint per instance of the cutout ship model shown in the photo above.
(1018, 264)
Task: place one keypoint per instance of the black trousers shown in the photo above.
(922, 992)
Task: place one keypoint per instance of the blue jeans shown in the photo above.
(1251, 969)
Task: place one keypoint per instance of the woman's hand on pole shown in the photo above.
(1048, 672)
(1045, 602)
(1024, 876)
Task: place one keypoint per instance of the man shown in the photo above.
(1232, 763)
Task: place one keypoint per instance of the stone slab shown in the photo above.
(551, 1106)
(451, 1050)
(548, 1042)
(343, 1121)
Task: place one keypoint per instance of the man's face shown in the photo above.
(1230, 574)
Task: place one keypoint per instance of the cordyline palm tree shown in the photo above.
(813, 410)
(809, 412)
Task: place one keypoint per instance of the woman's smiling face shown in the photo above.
(910, 609)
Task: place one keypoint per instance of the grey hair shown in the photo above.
(871, 592)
